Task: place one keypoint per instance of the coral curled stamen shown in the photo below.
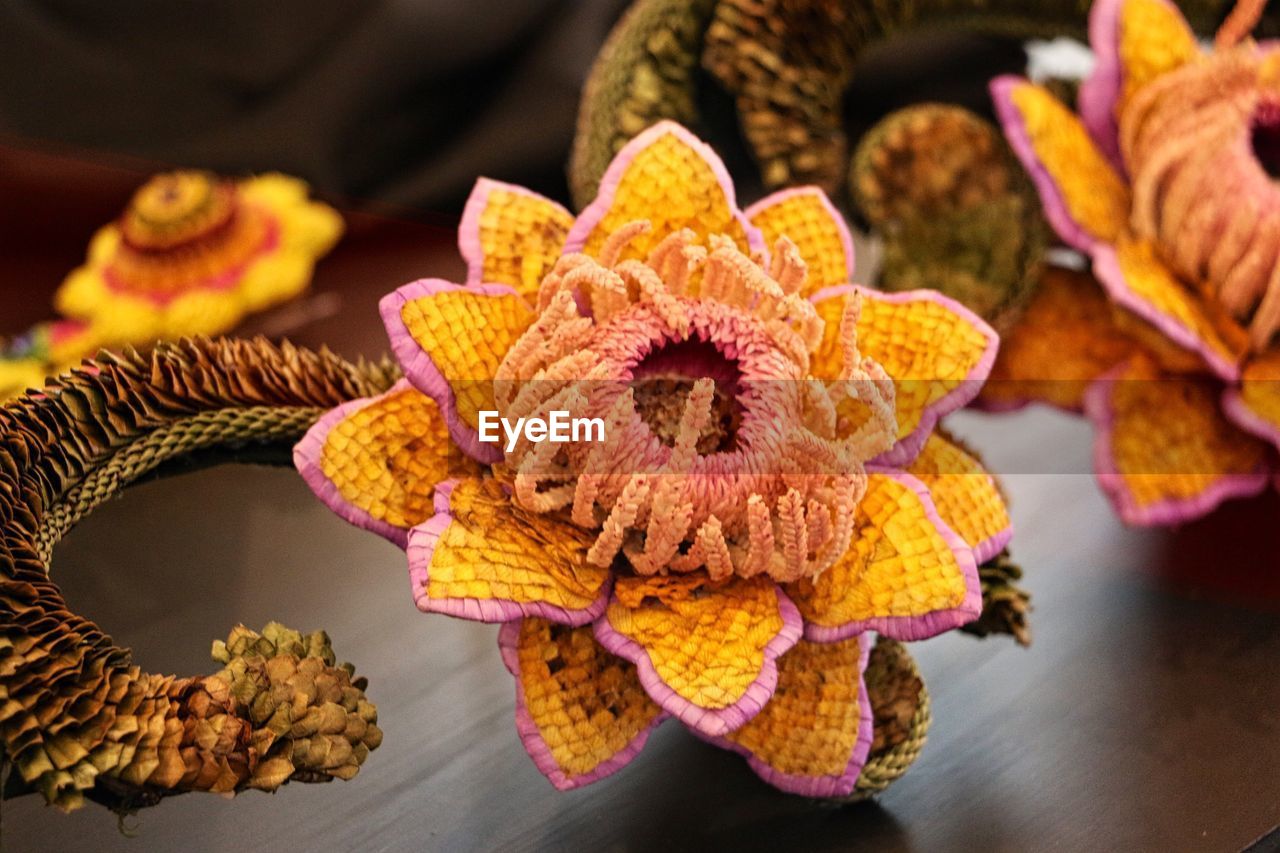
(739, 469)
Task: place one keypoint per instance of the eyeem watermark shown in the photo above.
(558, 429)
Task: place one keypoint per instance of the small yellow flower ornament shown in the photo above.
(767, 489)
(192, 254)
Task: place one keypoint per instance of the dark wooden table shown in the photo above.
(1145, 716)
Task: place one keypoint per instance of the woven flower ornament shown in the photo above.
(1166, 180)
(191, 254)
(767, 488)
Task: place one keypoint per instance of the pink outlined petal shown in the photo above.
(841, 785)
(842, 228)
(1106, 268)
(908, 447)
(709, 721)
(1072, 232)
(423, 372)
(1098, 408)
(924, 625)
(599, 208)
(1100, 91)
(421, 547)
(531, 735)
(469, 243)
(307, 458)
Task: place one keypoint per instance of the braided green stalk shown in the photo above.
(893, 682)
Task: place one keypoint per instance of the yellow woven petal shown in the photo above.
(807, 218)
(1154, 39)
(466, 334)
(488, 559)
(967, 497)
(385, 457)
(1139, 281)
(512, 236)
(906, 574)
(581, 711)
(1066, 337)
(706, 652)
(927, 348)
(814, 735)
(668, 178)
(1166, 452)
(1080, 189)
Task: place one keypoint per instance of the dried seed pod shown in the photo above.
(957, 215)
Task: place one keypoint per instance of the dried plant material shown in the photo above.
(788, 65)
(1005, 605)
(754, 436)
(76, 717)
(1165, 180)
(941, 188)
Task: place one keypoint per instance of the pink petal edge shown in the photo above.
(531, 736)
(818, 786)
(846, 238)
(1055, 206)
(991, 546)
(1239, 413)
(1106, 268)
(421, 546)
(1097, 407)
(709, 721)
(423, 372)
(596, 211)
(1101, 89)
(908, 448)
(924, 625)
(307, 456)
(469, 243)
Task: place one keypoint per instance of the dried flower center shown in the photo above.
(664, 380)
(1202, 144)
(721, 454)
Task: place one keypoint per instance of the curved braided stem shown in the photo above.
(217, 428)
(76, 717)
(787, 64)
(902, 717)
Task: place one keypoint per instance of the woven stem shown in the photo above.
(218, 428)
(900, 702)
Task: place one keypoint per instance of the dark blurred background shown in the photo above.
(402, 103)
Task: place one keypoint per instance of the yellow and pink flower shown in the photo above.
(193, 254)
(768, 491)
(1167, 181)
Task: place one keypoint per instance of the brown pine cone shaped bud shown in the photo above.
(1005, 605)
(310, 719)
